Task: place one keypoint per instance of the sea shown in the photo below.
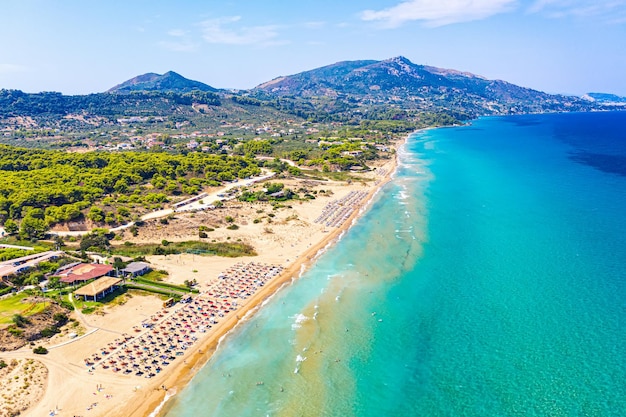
(488, 278)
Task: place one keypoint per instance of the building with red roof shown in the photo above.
(81, 273)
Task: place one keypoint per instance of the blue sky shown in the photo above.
(80, 47)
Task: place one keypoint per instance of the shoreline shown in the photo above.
(296, 244)
(155, 402)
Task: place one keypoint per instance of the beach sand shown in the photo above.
(291, 239)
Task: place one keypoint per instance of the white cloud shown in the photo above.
(179, 46)
(177, 33)
(314, 25)
(179, 42)
(220, 31)
(438, 12)
(9, 68)
(612, 11)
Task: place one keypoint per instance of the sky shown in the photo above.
(81, 47)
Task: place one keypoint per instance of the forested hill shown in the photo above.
(17, 103)
(398, 81)
(40, 188)
(346, 92)
(170, 81)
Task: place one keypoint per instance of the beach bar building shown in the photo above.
(98, 289)
(81, 273)
(135, 269)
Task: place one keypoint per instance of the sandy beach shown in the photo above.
(78, 384)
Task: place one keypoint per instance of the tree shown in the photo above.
(118, 263)
(123, 211)
(10, 226)
(109, 218)
(58, 242)
(121, 186)
(33, 228)
(274, 187)
(257, 147)
(96, 214)
(60, 318)
(34, 278)
(294, 170)
(98, 239)
(19, 320)
(54, 282)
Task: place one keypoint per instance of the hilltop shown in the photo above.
(398, 81)
(348, 93)
(170, 81)
(606, 98)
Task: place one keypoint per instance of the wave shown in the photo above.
(299, 319)
(168, 394)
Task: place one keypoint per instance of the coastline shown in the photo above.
(153, 401)
(70, 384)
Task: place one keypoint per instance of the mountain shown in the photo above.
(605, 98)
(398, 81)
(349, 92)
(170, 81)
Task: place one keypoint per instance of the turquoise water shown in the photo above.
(487, 279)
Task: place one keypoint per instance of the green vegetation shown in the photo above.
(14, 306)
(227, 249)
(272, 192)
(153, 103)
(40, 350)
(6, 254)
(36, 274)
(19, 320)
(156, 276)
(49, 331)
(88, 307)
(41, 188)
(162, 285)
(149, 289)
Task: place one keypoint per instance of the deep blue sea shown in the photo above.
(487, 279)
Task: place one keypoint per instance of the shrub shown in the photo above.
(40, 350)
(15, 331)
(202, 235)
(19, 320)
(60, 317)
(232, 227)
(49, 331)
(6, 290)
